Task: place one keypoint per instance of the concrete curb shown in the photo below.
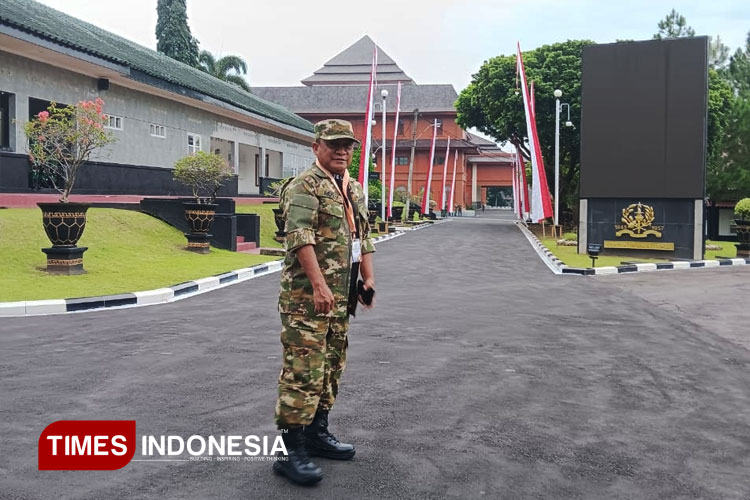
(148, 297)
(559, 267)
(422, 226)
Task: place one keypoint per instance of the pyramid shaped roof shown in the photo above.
(352, 67)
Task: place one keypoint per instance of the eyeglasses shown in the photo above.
(345, 144)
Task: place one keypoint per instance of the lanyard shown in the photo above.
(347, 204)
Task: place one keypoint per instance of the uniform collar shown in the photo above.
(321, 172)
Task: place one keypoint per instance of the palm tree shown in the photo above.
(227, 68)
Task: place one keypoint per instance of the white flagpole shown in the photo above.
(453, 182)
(428, 182)
(445, 174)
(364, 160)
(393, 152)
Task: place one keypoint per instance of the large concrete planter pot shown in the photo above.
(742, 227)
(199, 217)
(64, 224)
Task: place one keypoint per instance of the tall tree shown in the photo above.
(739, 70)
(173, 33)
(729, 177)
(729, 172)
(673, 26)
(718, 53)
(228, 68)
(720, 105)
(493, 105)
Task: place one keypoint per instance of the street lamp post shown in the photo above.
(558, 110)
(384, 95)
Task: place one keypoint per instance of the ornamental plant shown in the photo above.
(204, 173)
(742, 208)
(62, 139)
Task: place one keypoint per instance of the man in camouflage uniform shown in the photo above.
(326, 232)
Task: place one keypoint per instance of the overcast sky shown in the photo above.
(434, 41)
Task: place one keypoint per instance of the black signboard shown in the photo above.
(646, 227)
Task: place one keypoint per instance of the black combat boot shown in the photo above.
(297, 467)
(321, 443)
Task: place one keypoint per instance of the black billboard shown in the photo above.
(643, 119)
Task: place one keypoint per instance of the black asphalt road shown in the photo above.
(480, 374)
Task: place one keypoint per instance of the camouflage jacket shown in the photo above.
(313, 209)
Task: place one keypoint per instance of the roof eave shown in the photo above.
(19, 42)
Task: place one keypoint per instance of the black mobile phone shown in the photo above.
(366, 295)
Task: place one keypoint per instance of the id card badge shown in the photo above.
(356, 250)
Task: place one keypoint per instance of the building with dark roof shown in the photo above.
(339, 90)
(352, 66)
(160, 109)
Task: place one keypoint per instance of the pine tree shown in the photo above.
(173, 33)
(674, 26)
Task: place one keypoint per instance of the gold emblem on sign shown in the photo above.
(637, 220)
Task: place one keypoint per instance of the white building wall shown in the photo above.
(26, 78)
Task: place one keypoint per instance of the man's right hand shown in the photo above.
(323, 299)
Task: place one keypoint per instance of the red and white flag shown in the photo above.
(445, 174)
(523, 184)
(453, 182)
(516, 190)
(364, 156)
(541, 202)
(519, 177)
(524, 188)
(393, 153)
(428, 181)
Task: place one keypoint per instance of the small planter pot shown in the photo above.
(199, 217)
(64, 224)
(398, 213)
(742, 227)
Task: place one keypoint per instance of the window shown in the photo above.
(4, 120)
(402, 160)
(114, 122)
(157, 130)
(267, 166)
(439, 126)
(401, 127)
(439, 160)
(194, 143)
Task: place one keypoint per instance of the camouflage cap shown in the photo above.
(332, 129)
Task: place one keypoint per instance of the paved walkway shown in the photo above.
(480, 374)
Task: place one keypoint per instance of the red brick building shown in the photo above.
(339, 90)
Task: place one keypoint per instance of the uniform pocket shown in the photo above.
(303, 367)
(330, 218)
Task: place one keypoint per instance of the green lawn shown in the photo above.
(128, 251)
(728, 249)
(570, 256)
(267, 224)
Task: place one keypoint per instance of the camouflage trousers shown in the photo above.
(314, 358)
